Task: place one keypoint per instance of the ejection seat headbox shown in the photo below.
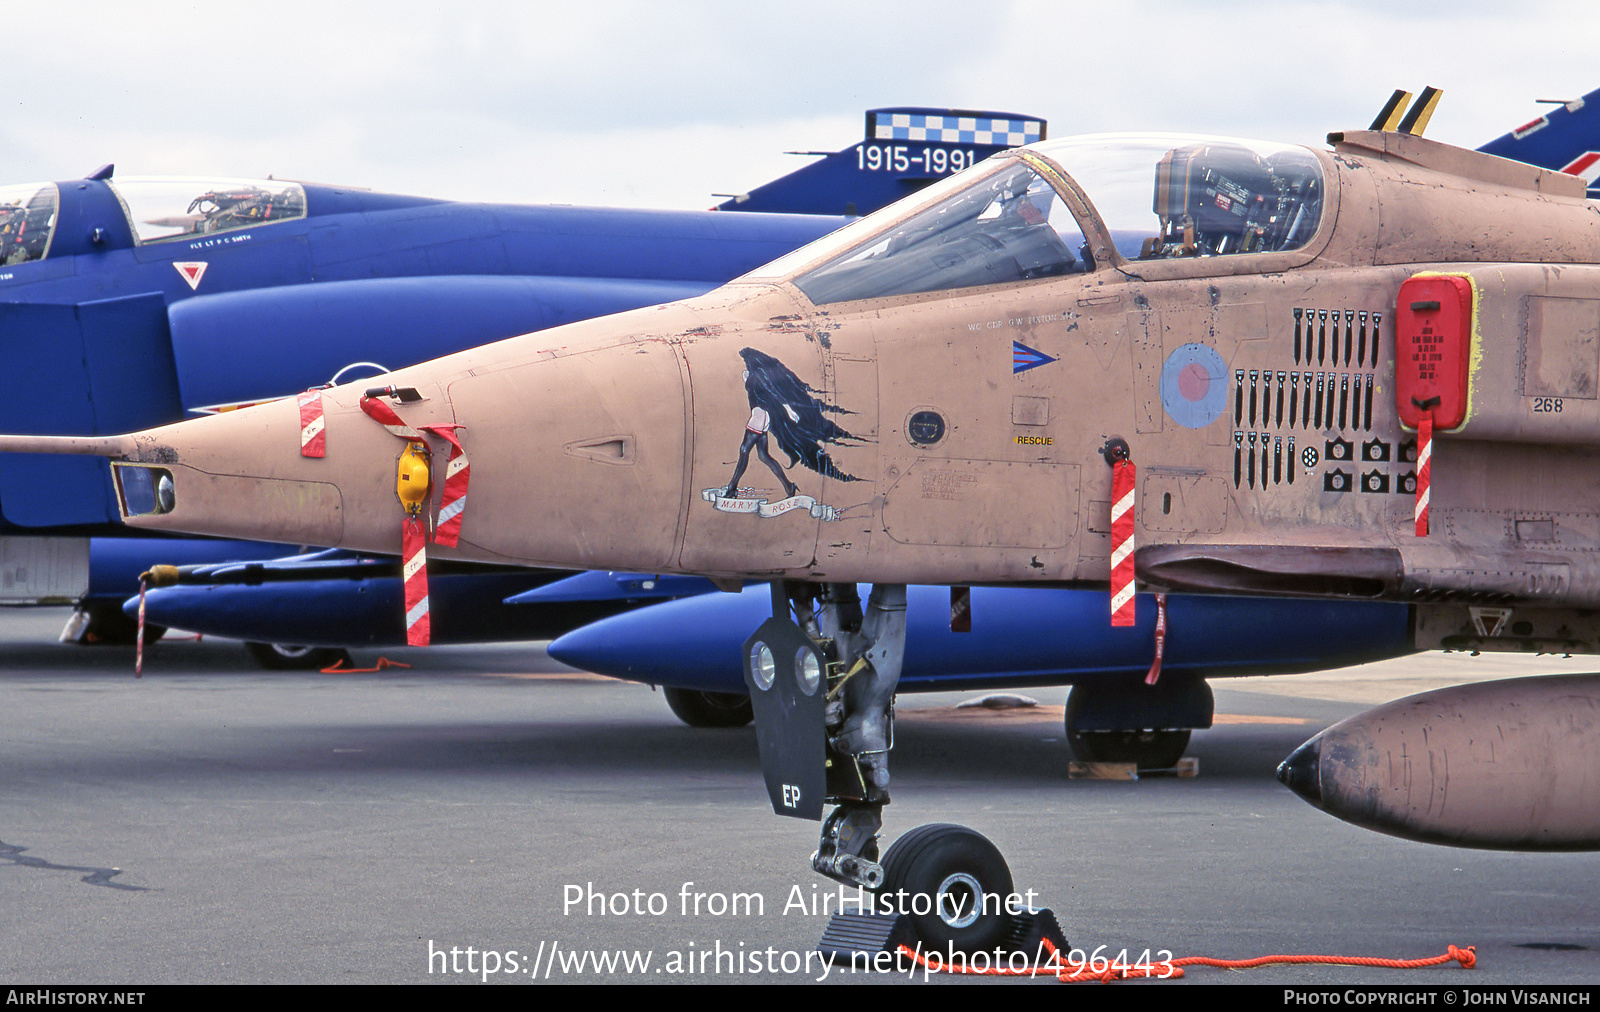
(1221, 197)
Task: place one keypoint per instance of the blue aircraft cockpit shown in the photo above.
(161, 209)
(43, 220)
(27, 221)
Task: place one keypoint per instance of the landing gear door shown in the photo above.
(783, 672)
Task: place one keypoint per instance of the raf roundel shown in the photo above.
(1194, 386)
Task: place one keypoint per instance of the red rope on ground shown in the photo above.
(383, 662)
(1167, 969)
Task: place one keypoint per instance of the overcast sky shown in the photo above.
(662, 104)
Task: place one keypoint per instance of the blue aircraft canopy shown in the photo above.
(27, 221)
(160, 209)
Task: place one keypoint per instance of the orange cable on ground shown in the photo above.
(383, 662)
(1169, 968)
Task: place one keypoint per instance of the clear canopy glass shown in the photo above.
(27, 221)
(1007, 225)
(162, 209)
(1175, 195)
(1161, 196)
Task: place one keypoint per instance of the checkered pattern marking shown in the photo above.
(903, 126)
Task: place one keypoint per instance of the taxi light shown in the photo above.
(763, 665)
(808, 670)
(144, 491)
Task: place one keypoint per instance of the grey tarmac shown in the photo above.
(312, 828)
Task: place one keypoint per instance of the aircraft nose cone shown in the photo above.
(1301, 772)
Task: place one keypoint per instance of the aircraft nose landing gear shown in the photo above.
(822, 690)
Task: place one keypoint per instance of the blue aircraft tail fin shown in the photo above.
(904, 149)
(90, 368)
(1565, 139)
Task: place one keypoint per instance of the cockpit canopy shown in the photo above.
(1214, 197)
(158, 210)
(161, 209)
(27, 221)
(1009, 226)
(1159, 197)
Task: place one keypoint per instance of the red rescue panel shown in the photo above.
(1433, 350)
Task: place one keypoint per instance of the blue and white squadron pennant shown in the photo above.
(984, 130)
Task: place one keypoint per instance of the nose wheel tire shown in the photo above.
(710, 709)
(108, 625)
(954, 885)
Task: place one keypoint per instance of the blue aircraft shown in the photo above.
(306, 610)
(131, 302)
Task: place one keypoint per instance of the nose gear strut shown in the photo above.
(865, 653)
(828, 680)
(822, 673)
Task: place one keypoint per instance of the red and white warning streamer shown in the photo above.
(1122, 599)
(414, 573)
(1424, 470)
(457, 469)
(313, 440)
(385, 416)
(414, 466)
(1161, 639)
(453, 500)
(413, 529)
(138, 639)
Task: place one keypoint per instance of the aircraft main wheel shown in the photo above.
(710, 709)
(287, 657)
(109, 625)
(953, 883)
(1149, 750)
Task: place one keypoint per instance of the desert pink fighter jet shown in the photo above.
(1214, 365)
